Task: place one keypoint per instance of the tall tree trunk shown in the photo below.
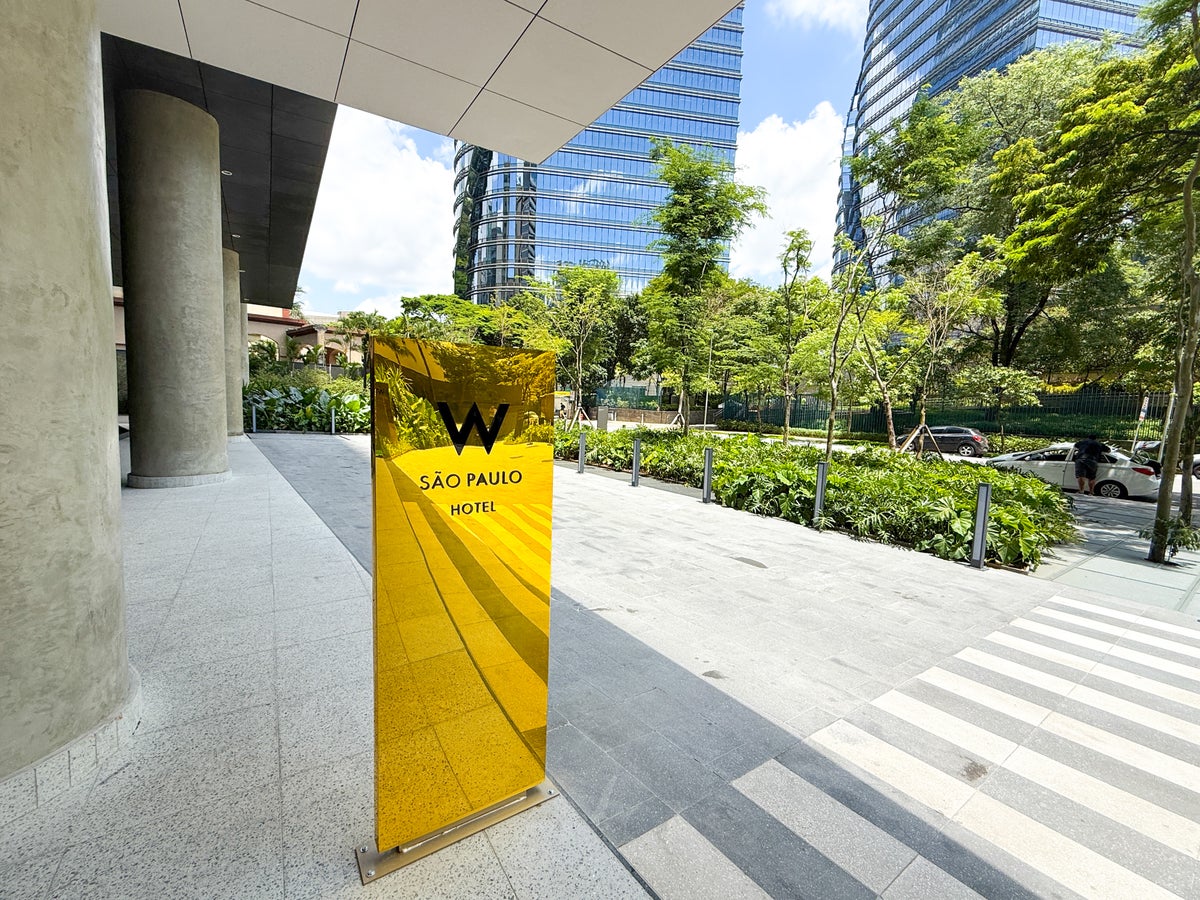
(1185, 368)
(829, 423)
(888, 420)
(578, 387)
(1188, 453)
(787, 407)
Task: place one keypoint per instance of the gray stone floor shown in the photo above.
(747, 708)
(1111, 558)
(250, 774)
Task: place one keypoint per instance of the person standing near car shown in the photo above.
(1087, 462)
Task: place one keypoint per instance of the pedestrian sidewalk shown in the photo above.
(251, 772)
(748, 708)
(1111, 558)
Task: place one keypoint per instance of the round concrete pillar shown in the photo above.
(169, 180)
(63, 665)
(243, 314)
(235, 342)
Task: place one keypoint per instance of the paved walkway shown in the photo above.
(748, 708)
(1111, 559)
(250, 775)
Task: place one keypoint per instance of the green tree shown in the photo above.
(1129, 150)
(780, 321)
(915, 171)
(314, 355)
(704, 210)
(264, 354)
(628, 339)
(888, 340)
(291, 350)
(356, 325)
(582, 306)
(834, 338)
(1001, 388)
(1013, 116)
(943, 294)
(522, 320)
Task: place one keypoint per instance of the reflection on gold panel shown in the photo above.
(463, 462)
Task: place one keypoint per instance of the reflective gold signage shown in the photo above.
(463, 462)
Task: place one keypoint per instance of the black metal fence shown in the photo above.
(1109, 414)
(626, 398)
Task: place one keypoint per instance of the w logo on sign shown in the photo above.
(473, 421)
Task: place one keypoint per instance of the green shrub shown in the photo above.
(749, 427)
(895, 498)
(1019, 443)
(1039, 423)
(305, 400)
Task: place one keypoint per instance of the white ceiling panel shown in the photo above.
(463, 38)
(643, 30)
(561, 73)
(332, 15)
(402, 90)
(153, 22)
(508, 126)
(549, 67)
(264, 44)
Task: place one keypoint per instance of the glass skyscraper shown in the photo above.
(912, 43)
(590, 203)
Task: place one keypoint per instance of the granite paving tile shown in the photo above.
(771, 854)
(549, 852)
(593, 780)
(670, 773)
(635, 821)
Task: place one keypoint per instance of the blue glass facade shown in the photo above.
(590, 203)
(911, 43)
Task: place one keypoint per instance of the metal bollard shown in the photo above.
(254, 419)
(819, 500)
(637, 462)
(708, 458)
(333, 421)
(582, 450)
(983, 504)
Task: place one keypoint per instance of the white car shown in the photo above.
(1117, 475)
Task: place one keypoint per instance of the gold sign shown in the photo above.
(463, 462)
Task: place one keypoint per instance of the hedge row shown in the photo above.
(305, 400)
(894, 498)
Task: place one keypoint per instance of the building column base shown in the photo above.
(175, 481)
(73, 766)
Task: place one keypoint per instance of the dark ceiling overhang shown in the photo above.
(273, 142)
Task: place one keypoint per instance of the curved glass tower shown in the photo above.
(911, 43)
(590, 203)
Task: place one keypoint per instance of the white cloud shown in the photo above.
(384, 214)
(847, 15)
(389, 305)
(799, 164)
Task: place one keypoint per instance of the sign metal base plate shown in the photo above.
(374, 864)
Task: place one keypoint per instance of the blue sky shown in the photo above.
(382, 225)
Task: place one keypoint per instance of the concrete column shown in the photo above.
(168, 166)
(245, 314)
(63, 664)
(235, 341)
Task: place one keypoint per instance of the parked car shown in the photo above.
(956, 439)
(1147, 452)
(1117, 476)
